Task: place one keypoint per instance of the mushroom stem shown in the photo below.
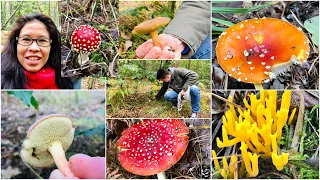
(155, 38)
(161, 175)
(83, 58)
(60, 159)
(258, 86)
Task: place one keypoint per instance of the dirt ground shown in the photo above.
(194, 164)
(300, 77)
(87, 109)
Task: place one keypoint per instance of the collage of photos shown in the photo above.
(159, 89)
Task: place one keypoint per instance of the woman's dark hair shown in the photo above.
(12, 72)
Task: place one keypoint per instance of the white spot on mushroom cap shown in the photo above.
(246, 53)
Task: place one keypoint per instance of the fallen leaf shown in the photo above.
(126, 37)
(127, 45)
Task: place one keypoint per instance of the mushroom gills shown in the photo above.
(281, 68)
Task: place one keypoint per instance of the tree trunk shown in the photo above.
(189, 64)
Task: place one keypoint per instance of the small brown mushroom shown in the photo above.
(152, 26)
(46, 143)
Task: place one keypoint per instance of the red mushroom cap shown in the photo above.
(257, 50)
(85, 39)
(152, 146)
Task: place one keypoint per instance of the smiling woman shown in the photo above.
(31, 58)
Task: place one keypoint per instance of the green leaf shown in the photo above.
(26, 97)
(312, 26)
(227, 23)
(220, 29)
(240, 10)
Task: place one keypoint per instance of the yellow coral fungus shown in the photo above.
(226, 168)
(258, 128)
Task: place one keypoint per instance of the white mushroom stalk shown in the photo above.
(60, 159)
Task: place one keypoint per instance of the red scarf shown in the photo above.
(43, 79)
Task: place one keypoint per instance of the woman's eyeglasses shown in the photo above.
(43, 42)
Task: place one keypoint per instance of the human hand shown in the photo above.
(182, 93)
(171, 48)
(83, 167)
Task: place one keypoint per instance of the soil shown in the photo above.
(305, 77)
(87, 109)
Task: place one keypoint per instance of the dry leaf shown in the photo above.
(127, 45)
(126, 37)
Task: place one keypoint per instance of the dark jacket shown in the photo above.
(180, 80)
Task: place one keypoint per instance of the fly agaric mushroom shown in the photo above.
(85, 39)
(257, 50)
(152, 146)
(152, 26)
(46, 143)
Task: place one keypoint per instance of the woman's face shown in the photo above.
(33, 57)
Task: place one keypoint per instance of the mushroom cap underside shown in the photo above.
(152, 146)
(151, 25)
(43, 132)
(258, 49)
(85, 39)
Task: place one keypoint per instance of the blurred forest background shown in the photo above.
(86, 108)
(132, 93)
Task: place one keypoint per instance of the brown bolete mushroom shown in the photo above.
(152, 146)
(46, 143)
(151, 26)
(257, 50)
(85, 39)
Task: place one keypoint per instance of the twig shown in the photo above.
(314, 61)
(299, 124)
(113, 13)
(227, 101)
(226, 82)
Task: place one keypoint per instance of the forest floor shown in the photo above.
(87, 109)
(140, 102)
(296, 13)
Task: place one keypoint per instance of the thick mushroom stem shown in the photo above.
(83, 58)
(258, 86)
(155, 38)
(60, 159)
(161, 175)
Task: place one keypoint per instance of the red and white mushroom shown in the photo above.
(152, 146)
(257, 50)
(85, 39)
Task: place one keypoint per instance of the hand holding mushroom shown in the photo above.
(160, 47)
(171, 48)
(46, 143)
